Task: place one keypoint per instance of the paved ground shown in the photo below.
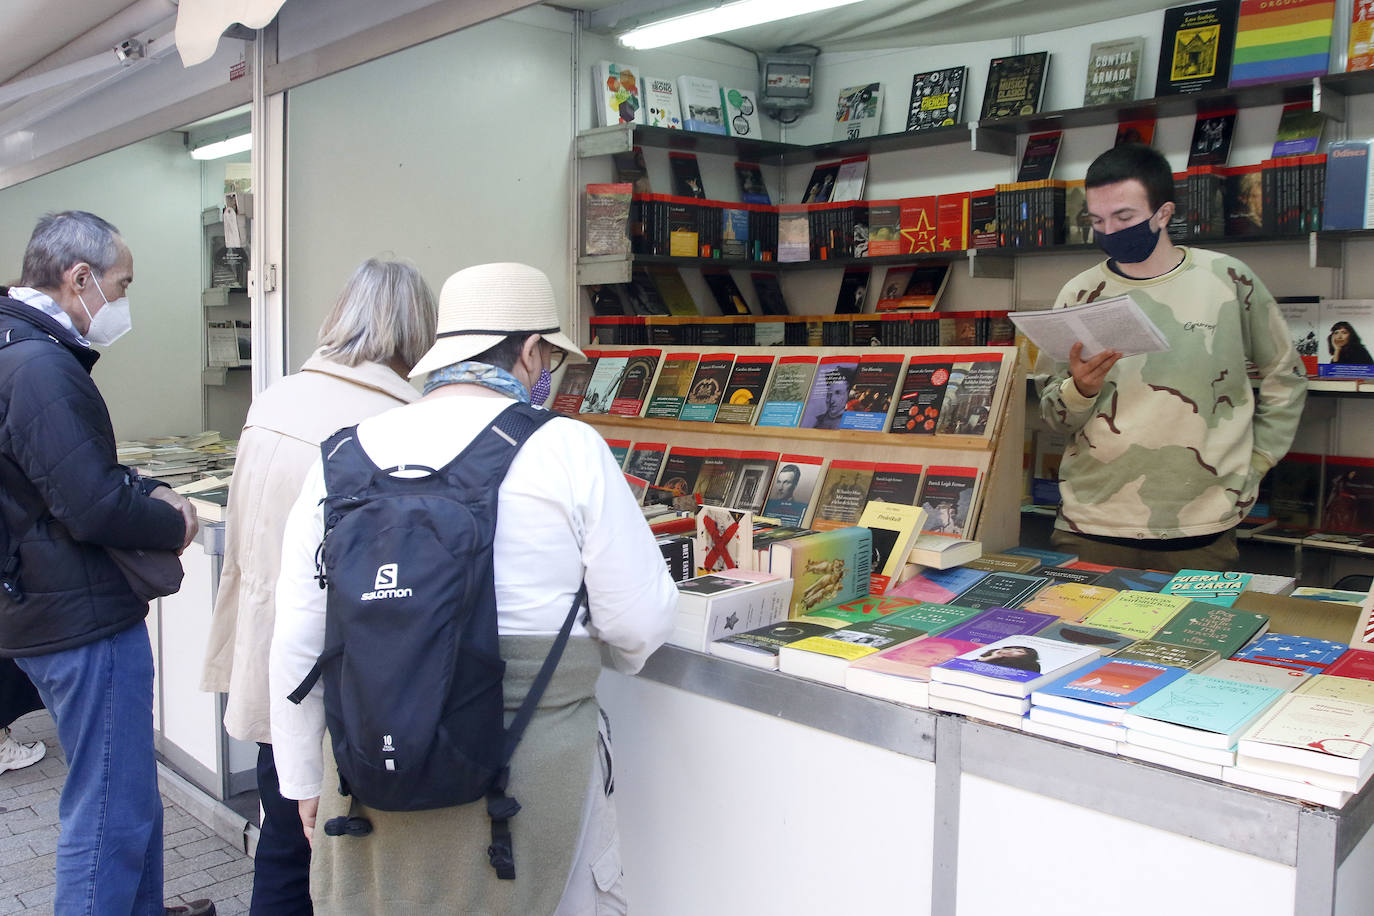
(199, 863)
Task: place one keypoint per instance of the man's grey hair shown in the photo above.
(386, 311)
(63, 239)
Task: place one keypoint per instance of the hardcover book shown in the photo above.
(617, 94)
(1195, 48)
(1013, 666)
(996, 623)
(1113, 71)
(672, 386)
(829, 392)
(1015, 85)
(1197, 709)
(1138, 614)
(870, 397)
(744, 391)
(708, 387)
(1285, 41)
(794, 489)
(936, 98)
(1207, 585)
(699, 99)
(859, 111)
(827, 567)
(1104, 690)
(661, 107)
(787, 391)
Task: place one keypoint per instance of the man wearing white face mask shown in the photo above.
(67, 614)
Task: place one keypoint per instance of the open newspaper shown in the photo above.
(1107, 324)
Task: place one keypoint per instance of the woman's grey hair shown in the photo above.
(385, 311)
(63, 239)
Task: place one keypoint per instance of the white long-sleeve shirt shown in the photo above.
(564, 513)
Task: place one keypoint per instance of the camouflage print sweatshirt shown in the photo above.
(1176, 442)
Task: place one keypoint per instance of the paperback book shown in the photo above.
(827, 567)
(749, 179)
(893, 527)
(686, 175)
(1211, 626)
(661, 107)
(741, 113)
(996, 623)
(829, 393)
(936, 98)
(969, 395)
(1202, 710)
(1195, 48)
(1318, 733)
(902, 673)
(1210, 586)
(708, 387)
(826, 657)
(573, 386)
(618, 94)
(760, 647)
(1286, 41)
(859, 111)
(752, 477)
(939, 586)
(604, 382)
(947, 494)
(794, 489)
(744, 391)
(870, 397)
(713, 606)
(1138, 614)
(787, 391)
(1104, 690)
(1299, 653)
(1013, 666)
(923, 395)
(895, 483)
(1113, 71)
(1077, 633)
(640, 366)
(1162, 653)
(672, 386)
(645, 460)
(1070, 601)
(844, 491)
(699, 99)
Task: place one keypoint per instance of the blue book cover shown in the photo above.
(1347, 184)
(829, 395)
(1300, 653)
(939, 585)
(1210, 704)
(1115, 682)
(998, 623)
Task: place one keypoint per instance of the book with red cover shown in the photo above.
(1356, 663)
(573, 385)
(923, 394)
(952, 222)
(919, 216)
(983, 218)
(639, 371)
(645, 460)
(1135, 130)
(884, 227)
(681, 469)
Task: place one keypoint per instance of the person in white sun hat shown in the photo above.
(564, 516)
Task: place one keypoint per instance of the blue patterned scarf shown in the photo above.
(475, 373)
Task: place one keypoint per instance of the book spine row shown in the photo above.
(949, 329)
(688, 227)
(1030, 214)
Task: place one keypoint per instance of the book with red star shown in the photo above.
(918, 216)
(952, 222)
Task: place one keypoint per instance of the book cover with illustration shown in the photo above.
(936, 98)
(1104, 689)
(749, 180)
(923, 395)
(673, 383)
(715, 480)
(853, 291)
(1213, 711)
(708, 387)
(919, 223)
(661, 108)
(939, 586)
(699, 99)
(787, 391)
(572, 388)
(1207, 585)
(885, 231)
(827, 567)
(741, 113)
(870, 398)
(902, 672)
(686, 175)
(1189, 658)
(859, 111)
(752, 477)
(1039, 156)
(771, 299)
(1113, 71)
(1069, 601)
(760, 647)
(1195, 47)
(1014, 665)
(1015, 85)
(681, 469)
(638, 374)
(1298, 653)
(1077, 633)
(1281, 41)
(617, 94)
(794, 488)
(1212, 133)
(844, 491)
(605, 381)
(1348, 328)
(725, 291)
(744, 391)
(829, 392)
(969, 395)
(645, 460)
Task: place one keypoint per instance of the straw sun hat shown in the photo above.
(480, 305)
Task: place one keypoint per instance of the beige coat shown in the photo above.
(280, 442)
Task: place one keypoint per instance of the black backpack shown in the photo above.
(411, 665)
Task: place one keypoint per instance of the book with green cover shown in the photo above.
(1163, 653)
(1208, 585)
(1210, 626)
(869, 607)
(674, 381)
(1138, 614)
(934, 618)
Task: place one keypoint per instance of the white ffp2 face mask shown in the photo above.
(111, 322)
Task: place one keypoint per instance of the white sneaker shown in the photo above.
(16, 756)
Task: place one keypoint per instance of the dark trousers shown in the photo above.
(281, 866)
(18, 696)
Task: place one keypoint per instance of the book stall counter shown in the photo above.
(187, 722)
(746, 791)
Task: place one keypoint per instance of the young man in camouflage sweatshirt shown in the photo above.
(1166, 450)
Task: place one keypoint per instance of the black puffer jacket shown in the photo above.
(57, 452)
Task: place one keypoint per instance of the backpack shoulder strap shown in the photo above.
(347, 470)
(488, 457)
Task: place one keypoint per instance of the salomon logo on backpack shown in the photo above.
(411, 667)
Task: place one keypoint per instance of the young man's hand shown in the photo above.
(1090, 375)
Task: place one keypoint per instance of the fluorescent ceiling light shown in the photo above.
(723, 18)
(241, 144)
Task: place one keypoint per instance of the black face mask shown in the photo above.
(1132, 244)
